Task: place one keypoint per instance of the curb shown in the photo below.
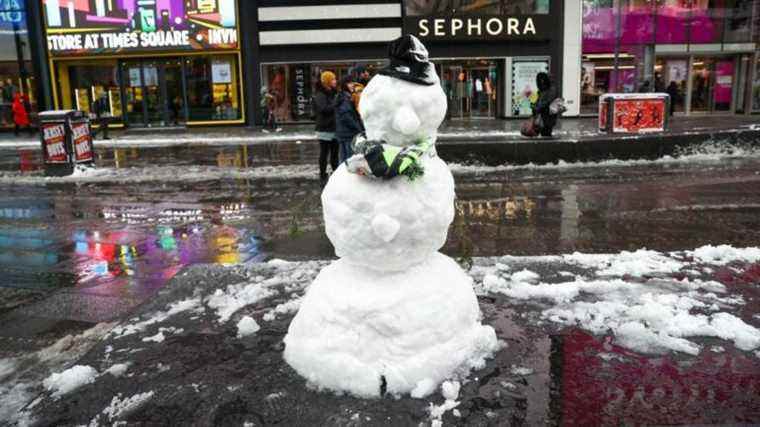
(496, 152)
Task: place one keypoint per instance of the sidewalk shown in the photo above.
(486, 141)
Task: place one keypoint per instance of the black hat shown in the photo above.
(409, 61)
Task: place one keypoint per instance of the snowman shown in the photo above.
(392, 314)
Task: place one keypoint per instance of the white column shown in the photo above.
(72, 15)
(227, 12)
(571, 57)
(53, 13)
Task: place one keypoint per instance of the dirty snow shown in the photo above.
(120, 407)
(70, 379)
(450, 392)
(724, 254)
(655, 313)
(288, 307)
(234, 297)
(247, 326)
(172, 309)
(117, 370)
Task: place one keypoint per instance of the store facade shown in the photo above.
(157, 63)
(486, 53)
(702, 51)
(19, 68)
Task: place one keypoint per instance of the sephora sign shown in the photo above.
(475, 27)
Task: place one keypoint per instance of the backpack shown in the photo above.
(557, 107)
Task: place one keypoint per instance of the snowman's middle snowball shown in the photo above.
(389, 225)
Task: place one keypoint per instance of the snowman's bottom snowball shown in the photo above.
(357, 325)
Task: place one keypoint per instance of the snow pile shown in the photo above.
(69, 380)
(172, 309)
(724, 254)
(21, 378)
(396, 221)
(653, 315)
(450, 392)
(235, 297)
(117, 370)
(247, 326)
(160, 336)
(287, 307)
(120, 407)
(638, 264)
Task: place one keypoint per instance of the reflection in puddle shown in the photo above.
(603, 384)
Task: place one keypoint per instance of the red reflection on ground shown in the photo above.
(603, 384)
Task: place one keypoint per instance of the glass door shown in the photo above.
(484, 92)
(154, 93)
(454, 86)
(702, 84)
(155, 107)
(175, 93)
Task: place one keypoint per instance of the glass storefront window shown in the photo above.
(672, 71)
(475, 7)
(87, 82)
(213, 88)
(470, 85)
(15, 65)
(165, 91)
(292, 85)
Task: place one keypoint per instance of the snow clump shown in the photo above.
(247, 326)
(69, 380)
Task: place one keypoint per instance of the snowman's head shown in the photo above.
(405, 102)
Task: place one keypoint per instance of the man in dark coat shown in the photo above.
(324, 116)
(547, 93)
(102, 114)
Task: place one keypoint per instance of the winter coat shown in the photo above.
(348, 123)
(20, 115)
(547, 93)
(324, 109)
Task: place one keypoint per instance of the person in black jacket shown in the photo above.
(547, 93)
(324, 112)
(348, 123)
(102, 111)
(674, 96)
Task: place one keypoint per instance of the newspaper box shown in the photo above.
(633, 112)
(66, 141)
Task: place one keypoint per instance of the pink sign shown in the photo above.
(724, 81)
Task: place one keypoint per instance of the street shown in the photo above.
(149, 229)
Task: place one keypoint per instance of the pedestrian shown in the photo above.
(644, 88)
(269, 105)
(544, 118)
(348, 123)
(674, 96)
(102, 113)
(361, 75)
(20, 115)
(323, 104)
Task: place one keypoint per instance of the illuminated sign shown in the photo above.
(535, 27)
(453, 20)
(123, 26)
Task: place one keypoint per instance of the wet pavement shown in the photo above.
(74, 252)
(119, 239)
